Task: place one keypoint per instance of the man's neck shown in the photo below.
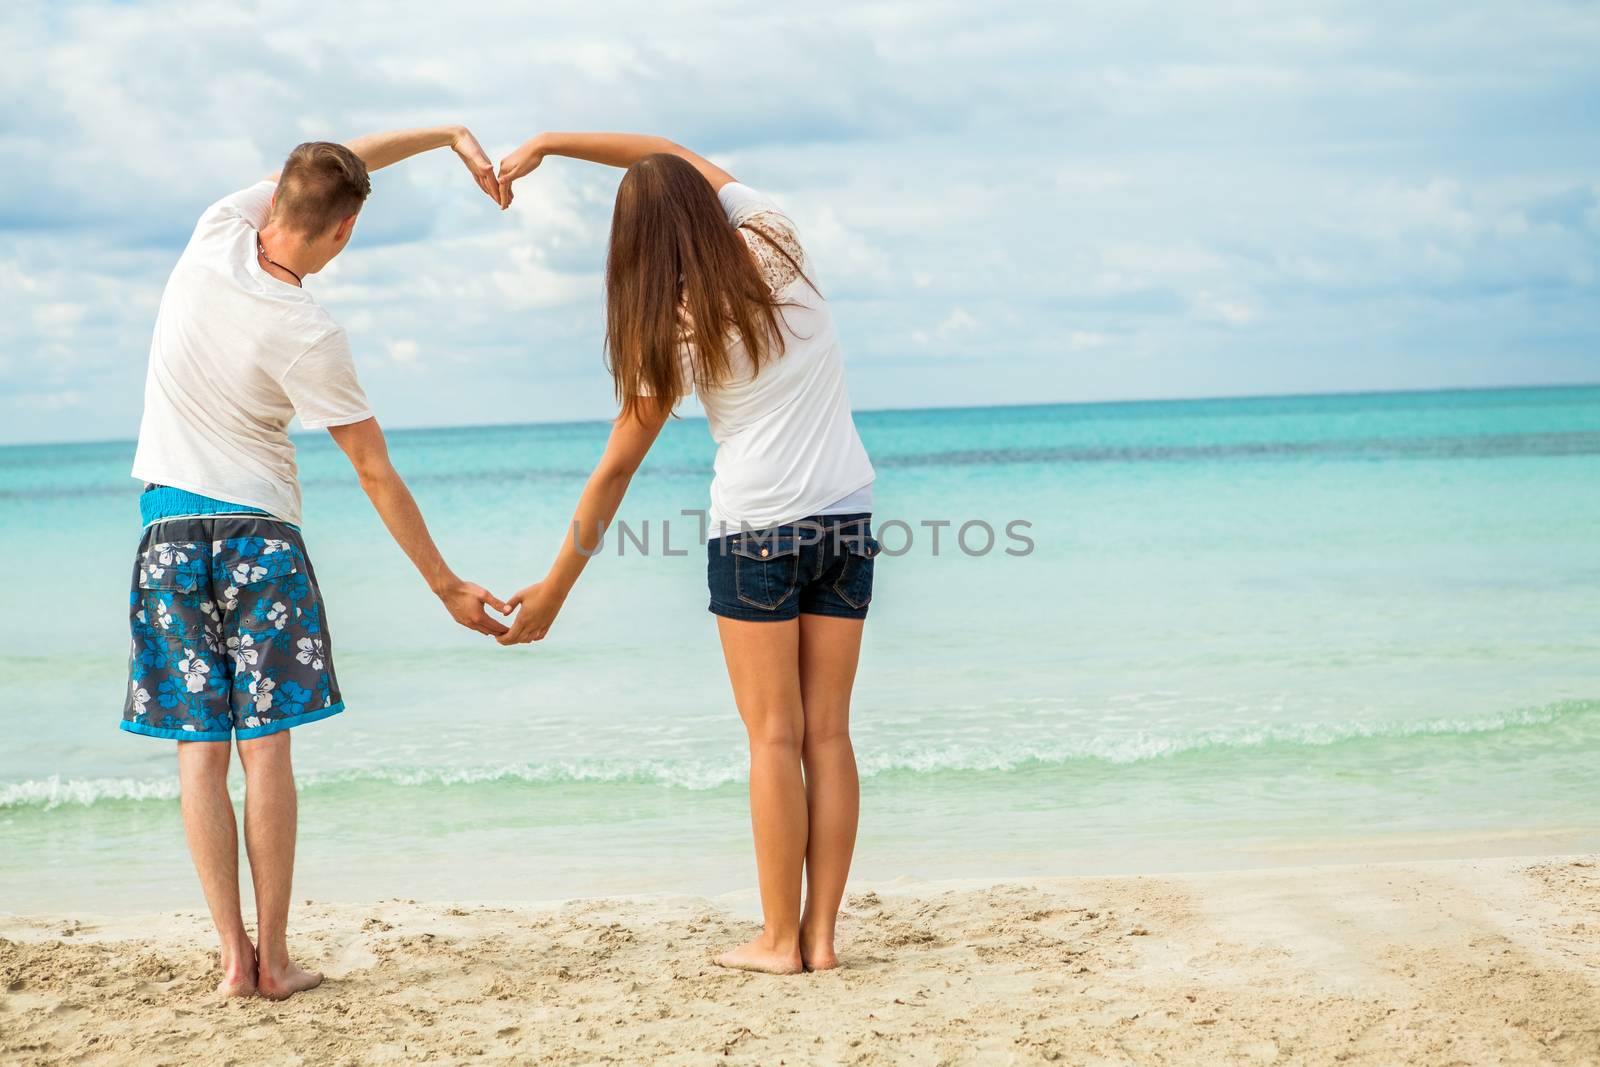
(288, 254)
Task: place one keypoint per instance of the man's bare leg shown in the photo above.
(213, 836)
(270, 812)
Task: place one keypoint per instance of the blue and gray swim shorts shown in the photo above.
(230, 638)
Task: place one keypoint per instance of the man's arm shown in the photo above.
(379, 150)
(368, 452)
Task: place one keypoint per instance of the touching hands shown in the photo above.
(467, 603)
(523, 161)
(496, 187)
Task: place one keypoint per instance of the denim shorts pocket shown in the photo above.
(766, 568)
(854, 584)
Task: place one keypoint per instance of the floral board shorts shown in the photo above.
(230, 638)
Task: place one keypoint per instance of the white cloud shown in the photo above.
(1231, 312)
(1077, 180)
(957, 324)
(58, 318)
(1113, 177)
(48, 402)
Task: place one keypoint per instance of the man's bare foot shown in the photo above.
(817, 950)
(757, 955)
(238, 972)
(284, 981)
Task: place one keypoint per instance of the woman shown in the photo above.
(707, 291)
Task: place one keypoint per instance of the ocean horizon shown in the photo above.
(1232, 629)
(693, 414)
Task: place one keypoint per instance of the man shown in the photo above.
(230, 640)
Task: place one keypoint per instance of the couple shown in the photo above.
(707, 291)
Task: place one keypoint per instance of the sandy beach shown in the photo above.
(1453, 961)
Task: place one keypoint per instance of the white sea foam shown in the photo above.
(1128, 749)
(53, 792)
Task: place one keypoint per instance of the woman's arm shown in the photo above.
(631, 437)
(612, 149)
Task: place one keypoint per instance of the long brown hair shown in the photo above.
(678, 274)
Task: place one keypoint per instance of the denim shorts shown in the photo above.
(821, 565)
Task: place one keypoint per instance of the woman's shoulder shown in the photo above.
(775, 245)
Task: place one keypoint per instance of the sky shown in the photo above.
(1004, 202)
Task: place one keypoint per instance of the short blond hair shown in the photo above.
(322, 184)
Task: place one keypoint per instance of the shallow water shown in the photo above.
(1243, 623)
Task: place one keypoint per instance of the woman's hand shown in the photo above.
(523, 161)
(539, 604)
(477, 160)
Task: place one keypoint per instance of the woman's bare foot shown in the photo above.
(238, 972)
(816, 948)
(283, 982)
(757, 955)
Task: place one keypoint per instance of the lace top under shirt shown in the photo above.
(787, 445)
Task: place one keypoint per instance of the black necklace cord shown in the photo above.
(261, 250)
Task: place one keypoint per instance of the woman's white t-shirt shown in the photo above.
(787, 446)
(238, 353)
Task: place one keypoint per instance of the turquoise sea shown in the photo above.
(1249, 630)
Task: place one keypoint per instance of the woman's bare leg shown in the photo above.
(763, 665)
(829, 650)
(271, 810)
(213, 835)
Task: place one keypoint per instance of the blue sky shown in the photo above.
(1006, 202)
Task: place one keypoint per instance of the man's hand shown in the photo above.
(465, 602)
(472, 154)
(539, 604)
(523, 161)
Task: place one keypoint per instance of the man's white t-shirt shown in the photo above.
(787, 445)
(236, 355)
